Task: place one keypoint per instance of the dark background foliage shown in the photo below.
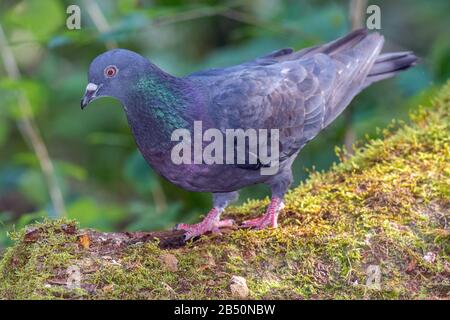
(104, 181)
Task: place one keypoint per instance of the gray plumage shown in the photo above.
(299, 93)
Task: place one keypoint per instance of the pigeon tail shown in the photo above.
(355, 54)
(389, 64)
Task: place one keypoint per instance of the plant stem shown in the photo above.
(30, 131)
(356, 15)
(99, 20)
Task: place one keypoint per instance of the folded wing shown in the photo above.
(299, 93)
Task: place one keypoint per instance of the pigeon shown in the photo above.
(297, 93)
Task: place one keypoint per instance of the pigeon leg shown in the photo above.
(269, 219)
(212, 222)
(279, 185)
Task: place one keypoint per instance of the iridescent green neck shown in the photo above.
(156, 108)
(162, 99)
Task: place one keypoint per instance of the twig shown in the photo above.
(356, 15)
(99, 20)
(30, 130)
(159, 198)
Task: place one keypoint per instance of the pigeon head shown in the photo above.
(110, 72)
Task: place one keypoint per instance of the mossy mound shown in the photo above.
(385, 209)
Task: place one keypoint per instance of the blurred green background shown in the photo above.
(57, 160)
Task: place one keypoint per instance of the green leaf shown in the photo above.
(71, 170)
(11, 92)
(26, 159)
(41, 17)
(126, 6)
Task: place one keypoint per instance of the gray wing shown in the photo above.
(297, 93)
(288, 54)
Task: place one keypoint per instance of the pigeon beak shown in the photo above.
(89, 95)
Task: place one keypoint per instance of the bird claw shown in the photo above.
(198, 229)
(269, 219)
(260, 223)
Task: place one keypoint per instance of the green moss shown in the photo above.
(388, 206)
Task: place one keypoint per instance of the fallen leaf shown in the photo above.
(84, 241)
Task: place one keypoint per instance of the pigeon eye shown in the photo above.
(111, 71)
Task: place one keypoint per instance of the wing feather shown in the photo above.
(298, 93)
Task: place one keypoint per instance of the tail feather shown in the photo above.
(354, 61)
(346, 42)
(341, 44)
(385, 66)
(388, 65)
(358, 54)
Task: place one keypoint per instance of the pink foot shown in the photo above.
(269, 219)
(211, 223)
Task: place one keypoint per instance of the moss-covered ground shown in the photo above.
(384, 209)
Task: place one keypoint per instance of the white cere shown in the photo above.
(91, 87)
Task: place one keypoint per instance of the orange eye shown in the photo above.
(110, 71)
